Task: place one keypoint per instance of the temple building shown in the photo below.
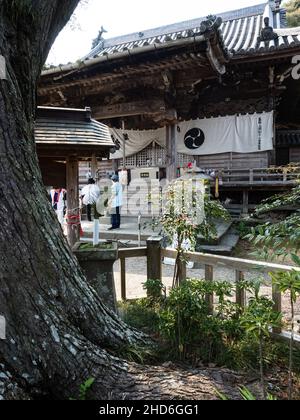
(221, 91)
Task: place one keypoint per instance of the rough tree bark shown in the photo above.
(58, 331)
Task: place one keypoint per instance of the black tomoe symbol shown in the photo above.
(194, 138)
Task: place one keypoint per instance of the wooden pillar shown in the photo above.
(115, 165)
(124, 146)
(209, 277)
(241, 296)
(94, 166)
(73, 211)
(245, 202)
(277, 299)
(154, 262)
(123, 279)
(171, 133)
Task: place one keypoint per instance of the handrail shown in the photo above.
(236, 263)
(258, 176)
(155, 255)
(132, 252)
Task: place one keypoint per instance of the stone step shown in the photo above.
(126, 220)
(226, 245)
(222, 229)
(127, 232)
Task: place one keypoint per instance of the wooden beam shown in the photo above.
(209, 277)
(94, 166)
(171, 152)
(245, 202)
(73, 212)
(129, 109)
(154, 266)
(123, 279)
(235, 263)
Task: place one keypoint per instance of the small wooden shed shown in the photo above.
(64, 137)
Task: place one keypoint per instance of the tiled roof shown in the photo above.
(56, 126)
(240, 31)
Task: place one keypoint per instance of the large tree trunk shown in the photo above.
(44, 297)
(58, 331)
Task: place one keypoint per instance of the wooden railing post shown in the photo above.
(245, 202)
(276, 294)
(241, 297)
(251, 180)
(209, 277)
(154, 263)
(123, 279)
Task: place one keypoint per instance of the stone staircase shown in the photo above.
(224, 243)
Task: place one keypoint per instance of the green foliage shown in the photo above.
(281, 238)
(155, 290)
(185, 329)
(187, 323)
(288, 282)
(84, 389)
(137, 354)
(291, 198)
(243, 229)
(89, 246)
(141, 314)
(246, 394)
(189, 213)
(293, 12)
(259, 318)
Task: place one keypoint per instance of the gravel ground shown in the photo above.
(136, 269)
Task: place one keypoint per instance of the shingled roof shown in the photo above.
(240, 31)
(70, 128)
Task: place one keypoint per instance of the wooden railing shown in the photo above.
(259, 176)
(155, 254)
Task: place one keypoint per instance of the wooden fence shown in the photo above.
(260, 176)
(155, 254)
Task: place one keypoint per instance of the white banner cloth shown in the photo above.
(210, 136)
(237, 134)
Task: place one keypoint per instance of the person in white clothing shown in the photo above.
(58, 201)
(116, 203)
(89, 196)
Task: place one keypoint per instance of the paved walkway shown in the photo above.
(127, 232)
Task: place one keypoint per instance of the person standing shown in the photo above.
(58, 201)
(116, 203)
(89, 196)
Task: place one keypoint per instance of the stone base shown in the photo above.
(97, 264)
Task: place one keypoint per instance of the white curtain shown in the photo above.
(137, 141)
(237, 134)
(210, 136)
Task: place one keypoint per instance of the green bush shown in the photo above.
(141, 314)
(187, 323)
(187, 331)
(155, 290)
